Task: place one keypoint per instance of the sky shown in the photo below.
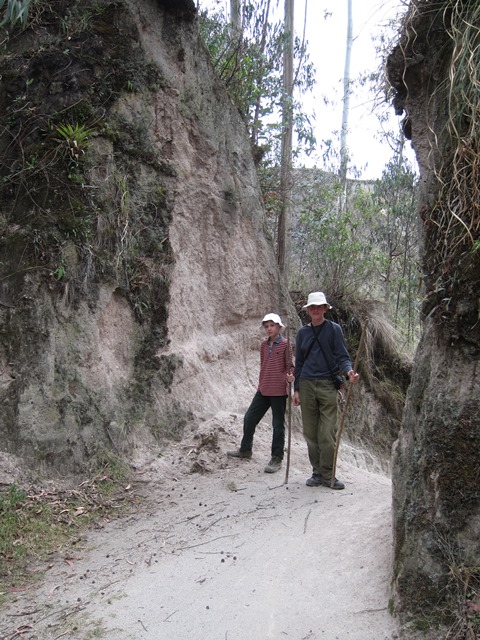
(326, 33)
(327, 39)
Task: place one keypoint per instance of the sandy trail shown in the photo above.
(230, 554)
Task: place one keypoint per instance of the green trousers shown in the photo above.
(318, 403)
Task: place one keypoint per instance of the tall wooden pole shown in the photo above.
(347, 403)
(289, 407)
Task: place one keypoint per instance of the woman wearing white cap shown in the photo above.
(276, 371)
(321, 353)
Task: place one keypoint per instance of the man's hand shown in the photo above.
(296, 399)
(353, 377)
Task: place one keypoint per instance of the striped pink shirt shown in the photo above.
(276, 360)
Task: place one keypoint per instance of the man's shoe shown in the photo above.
(274, 465)
(238, 453)
(314, 481)
(337, 484)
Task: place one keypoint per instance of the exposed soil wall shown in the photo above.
(435, 474)
(135, 262)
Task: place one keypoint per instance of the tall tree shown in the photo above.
(253, 74)
(235, 20)
(287, 137)
(255, 80)
(395, 232)
(261, 48)
(346, 97)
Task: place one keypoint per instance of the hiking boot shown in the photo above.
(337, 484)
(314, 481)
(274, 465)
(238, 453)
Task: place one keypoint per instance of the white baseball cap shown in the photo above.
(274, 318)
(317, 298)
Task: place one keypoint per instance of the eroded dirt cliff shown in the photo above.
(436, 488)
(135, 259)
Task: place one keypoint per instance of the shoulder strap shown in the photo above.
(311, 344)
(327, 360)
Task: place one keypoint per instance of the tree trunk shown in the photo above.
(235, 20)
(258, 101)
(346, 103)
(287, 135)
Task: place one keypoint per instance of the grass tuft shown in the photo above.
(457, 211)
(35, 523)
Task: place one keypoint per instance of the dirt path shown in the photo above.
(230, 554)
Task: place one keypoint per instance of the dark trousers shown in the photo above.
(255, 412)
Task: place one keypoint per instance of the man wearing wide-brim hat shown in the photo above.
(321, 354)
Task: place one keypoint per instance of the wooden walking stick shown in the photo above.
(289, 408)
(347, 401)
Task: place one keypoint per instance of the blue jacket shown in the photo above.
(310, 362)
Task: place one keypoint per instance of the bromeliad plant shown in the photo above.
(15, 11)
(74, 136)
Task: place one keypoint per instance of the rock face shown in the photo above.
(435, 467)
(135, 260)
